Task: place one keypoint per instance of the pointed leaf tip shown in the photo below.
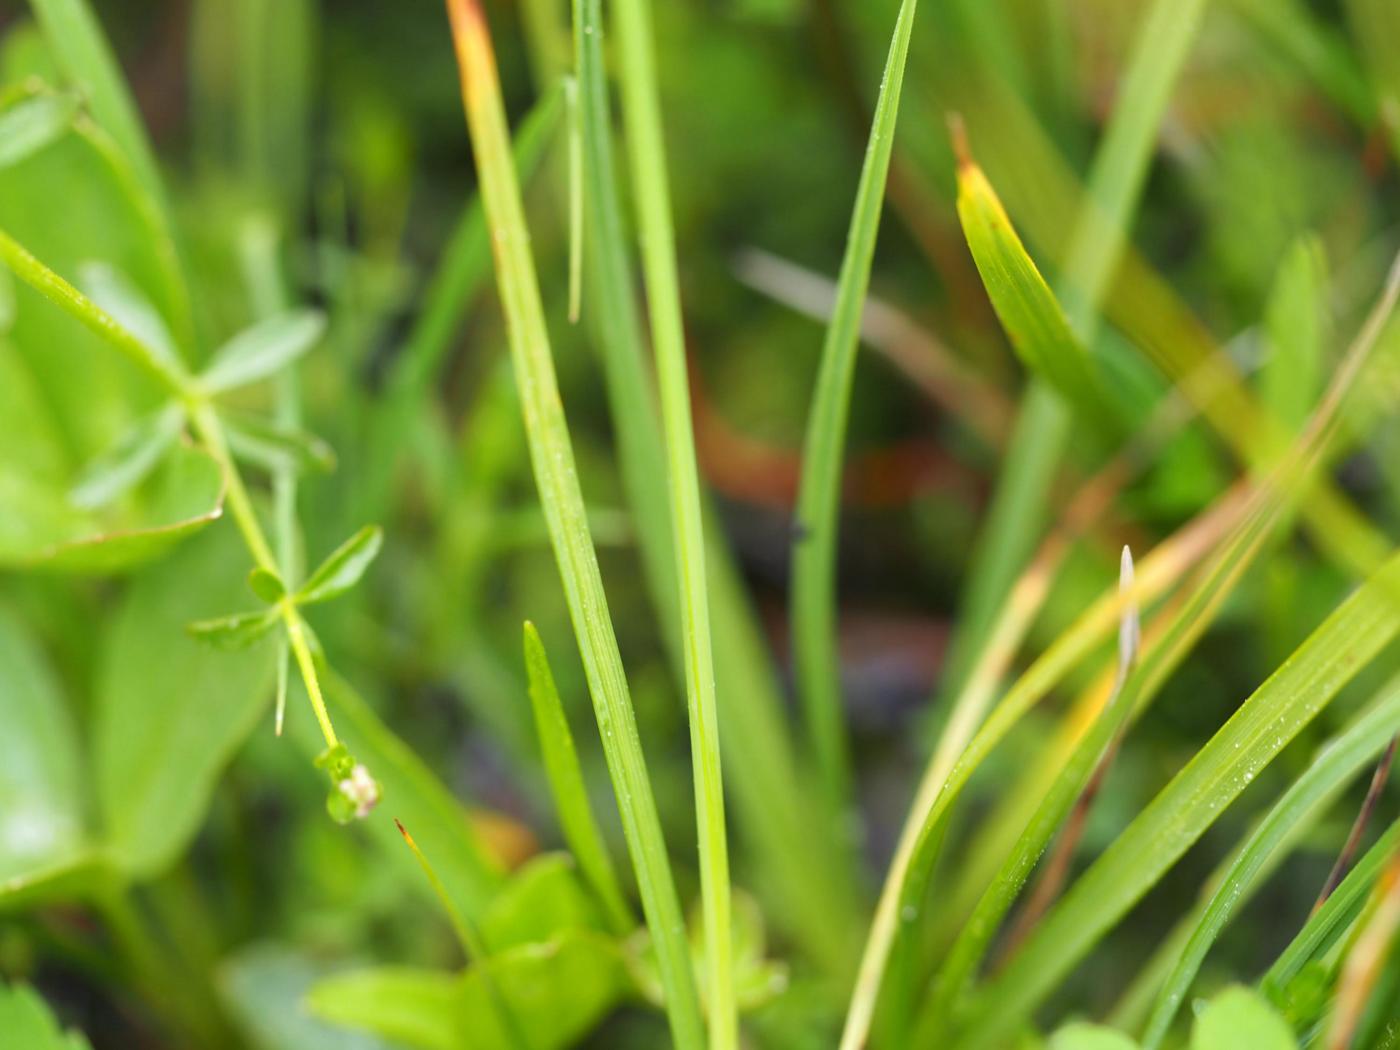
(1129, 627)
(343, 568)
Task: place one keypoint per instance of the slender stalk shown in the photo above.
(203, 418)
(1358, 827)
(551, 453)
(813, 599)
(641, 109)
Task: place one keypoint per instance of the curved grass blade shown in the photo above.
(813, 597)
(1036, 326)
(641, 110)
(551, 454)
(1181, 813)
(566, 784)
(1337, 762)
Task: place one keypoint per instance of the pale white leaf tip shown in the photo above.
(1129, 630)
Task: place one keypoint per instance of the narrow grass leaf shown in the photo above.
(261, 351)
(1034, 322)
(342, 568)
(1326, 926)
(551, 454)
(566, 784)
(1337, 762)
(804, 875)
(1195, 798)
(645, 141)
(813, 595)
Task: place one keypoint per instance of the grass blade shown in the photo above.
(813, 597)
(809, 876)
(1036, 326)
(566, 784)
(1181, 813)
(551, 453)
(1327, 925)
(1337, 762)
(641, 110)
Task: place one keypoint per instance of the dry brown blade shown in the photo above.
(1358, 827)
(1366, 959)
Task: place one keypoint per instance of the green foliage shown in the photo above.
(1123, 323)
(28, 1024)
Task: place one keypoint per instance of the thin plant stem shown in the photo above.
(641, 109)
(1358, 827)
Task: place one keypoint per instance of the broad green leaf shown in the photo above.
(42, 528)
(1238, 1017)
(1080, 1035)
(266, 584)
(1024, 303)
(114, 292)
(567, 786)
(263, 986)
(261, 351)
(559, 990)
(99, 222)
(542, 899)
(343, 568)
(1195, 798)
(274, 446)
(414, 1008)
(26, 1022)
(41, 812)
(129, 461)
(170, 711)
(31, 124)
(412, 793)
(81, 875)
(234, 632)
(1337, 762)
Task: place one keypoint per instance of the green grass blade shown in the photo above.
(813, 597)
(1337, 762)
(567, 786)
(551, 454)
(641, 111)
(1036, 326)
(809, 876)
(1277, 711)
(1042, 427)
(1329, 923)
